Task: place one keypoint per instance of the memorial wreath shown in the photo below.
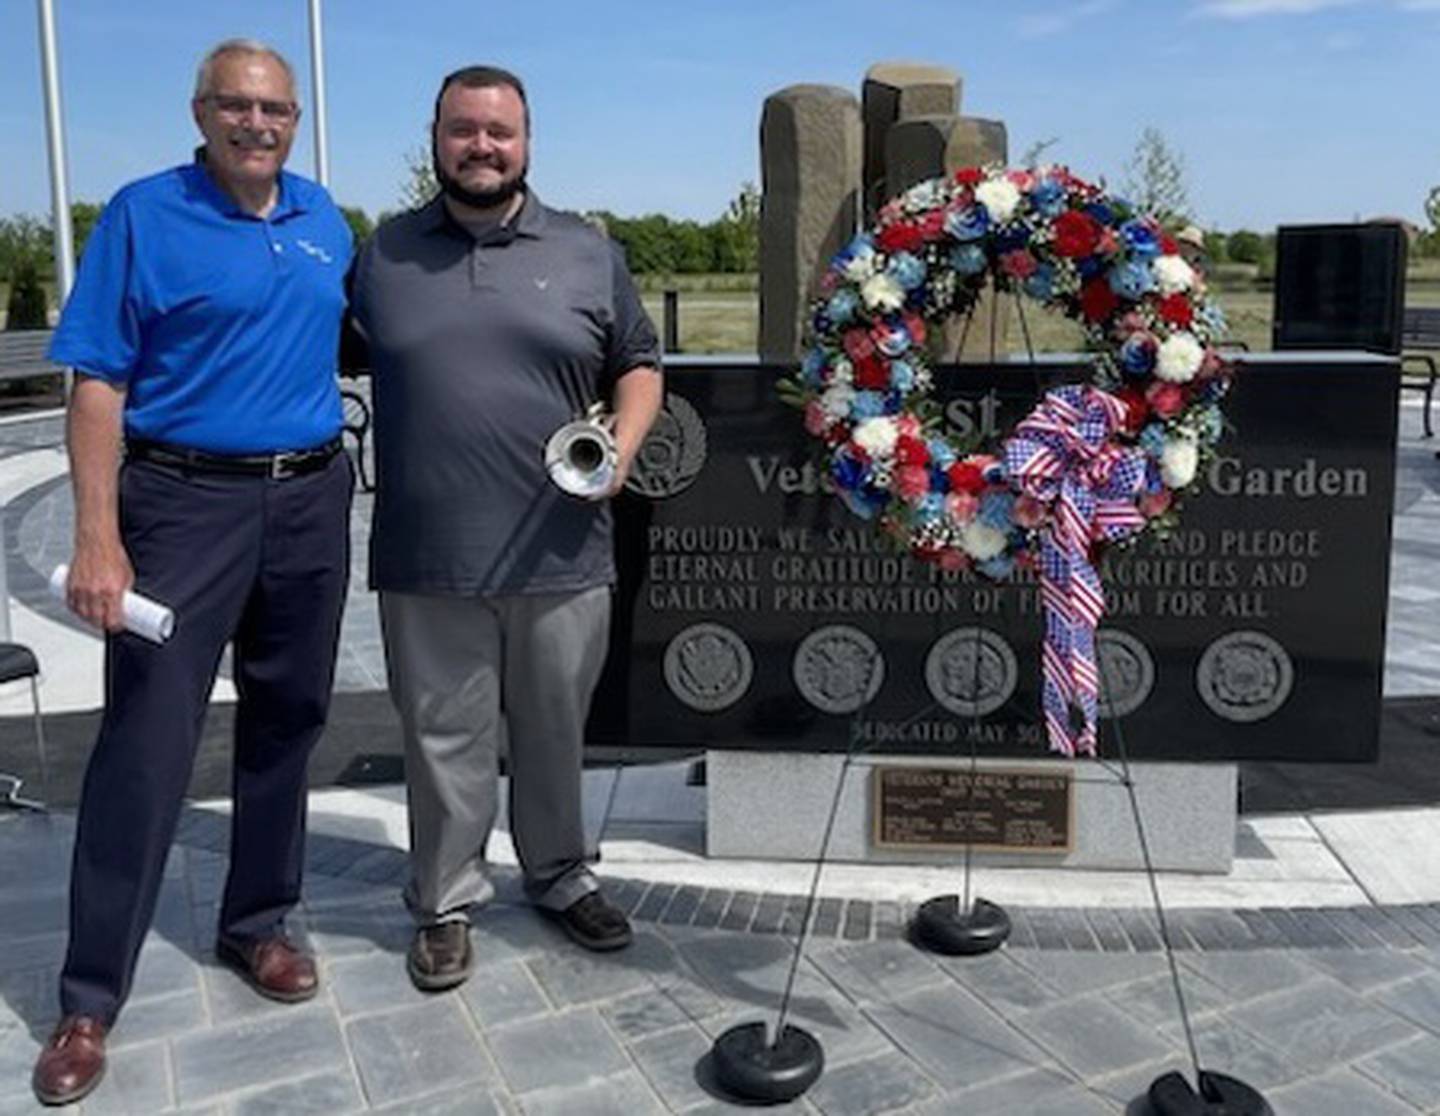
(1094, 462)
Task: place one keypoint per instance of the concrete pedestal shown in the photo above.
(773, 805)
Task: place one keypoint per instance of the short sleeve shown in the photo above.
(632, 340)
(99, 330)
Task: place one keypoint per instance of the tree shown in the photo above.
(1215, 247)
(359, 221)
(1031, 155)
(83, 218)
(1155, 179)
(27, 308)
(736, 236)
(420, 185)
(1432, 208)
(1245, 246)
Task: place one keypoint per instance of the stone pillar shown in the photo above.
(810, 158)
(896, 91)
(935, 146)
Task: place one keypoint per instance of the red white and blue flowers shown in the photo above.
(1093, 463)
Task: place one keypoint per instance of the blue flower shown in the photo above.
(1000, 567)
(1090, 266)
(867, 404)
(1152, 439)
(849, 474)
(994, 472)
(1013, 237)
(941, 455)
(813, 367)
(967, 259)
(1131, 279)
(967, 224)
(996, 510)
(931, 506)
(906, 270)
(1041, 284)
(902, 376)
(894, 339)
(1048, 197)
(1101, 212)
(1214, 318)
(1137, 356)
(939, 480)
(1139, 236)
(842, 305)
(861, 245)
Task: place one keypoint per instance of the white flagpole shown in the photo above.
(55, 137)
(317, 81)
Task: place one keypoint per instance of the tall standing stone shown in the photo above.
(936, 146)
(810, 159)
(895, 91)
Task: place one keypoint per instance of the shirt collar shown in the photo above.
(529, 222)
(288, 199)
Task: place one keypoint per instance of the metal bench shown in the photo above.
(357, 425)
(1420, 330)
(22, 354)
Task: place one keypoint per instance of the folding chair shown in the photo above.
(16, 662)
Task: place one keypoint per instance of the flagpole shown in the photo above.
(55, 138)
(317, 80)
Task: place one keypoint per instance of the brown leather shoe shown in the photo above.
(440, 956)
(73, 1061)
(273, 967)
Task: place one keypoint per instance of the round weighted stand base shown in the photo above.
(1172, 1095)
(747, 1068)
(939, 925)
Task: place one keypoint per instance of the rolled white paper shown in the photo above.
(145, 618)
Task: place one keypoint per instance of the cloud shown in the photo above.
(1250, 9)
(1055, 22)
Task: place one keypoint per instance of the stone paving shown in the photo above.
(1329, 1011)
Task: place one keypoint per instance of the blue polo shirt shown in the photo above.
(222, 326)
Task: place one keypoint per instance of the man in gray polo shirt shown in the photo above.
(491, 321)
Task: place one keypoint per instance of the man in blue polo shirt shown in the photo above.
(204, 328)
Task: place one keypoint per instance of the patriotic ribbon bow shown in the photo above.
(1063, 455)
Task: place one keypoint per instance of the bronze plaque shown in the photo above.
(1002, 809)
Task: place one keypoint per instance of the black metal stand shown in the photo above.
(1213, 1094)
(954, 924)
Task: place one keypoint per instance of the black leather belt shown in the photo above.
(276, 466)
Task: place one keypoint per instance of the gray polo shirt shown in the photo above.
(480, 350)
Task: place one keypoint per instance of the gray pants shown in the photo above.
(464, 673)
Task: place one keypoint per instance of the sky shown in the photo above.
(1283, 110)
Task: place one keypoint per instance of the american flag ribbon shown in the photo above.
(1063, 455)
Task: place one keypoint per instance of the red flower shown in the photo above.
(1097, 300)
(1019, 264)
(911, 451)
(932, 224)
(1168, 246)
(857, 344)
(915, 327)
(872, 373)
(1076, 234)
(912, 482)
(1167, 399)
(966, 477)
(969, 176)
(1137, 409)
(1175, 309)
(900, 237)
(838, 433)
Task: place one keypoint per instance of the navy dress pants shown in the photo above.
(263, 564)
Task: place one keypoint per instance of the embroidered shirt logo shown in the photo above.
(314, 250)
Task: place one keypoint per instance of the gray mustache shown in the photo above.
(256, 140)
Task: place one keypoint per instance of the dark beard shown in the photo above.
(478, 199)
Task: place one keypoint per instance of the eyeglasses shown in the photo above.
(276, 112)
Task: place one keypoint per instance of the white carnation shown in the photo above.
(981, 542)
(861, 266)
(877, 436)
(1179, 358)
(842, 371)
(999, 196)
(1173, 274)
(1178, 460)
(882, 292)
(836, 400)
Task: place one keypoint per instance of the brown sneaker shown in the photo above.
(593, 922)
(73, 1061)
(273, 967)
(440, 956)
